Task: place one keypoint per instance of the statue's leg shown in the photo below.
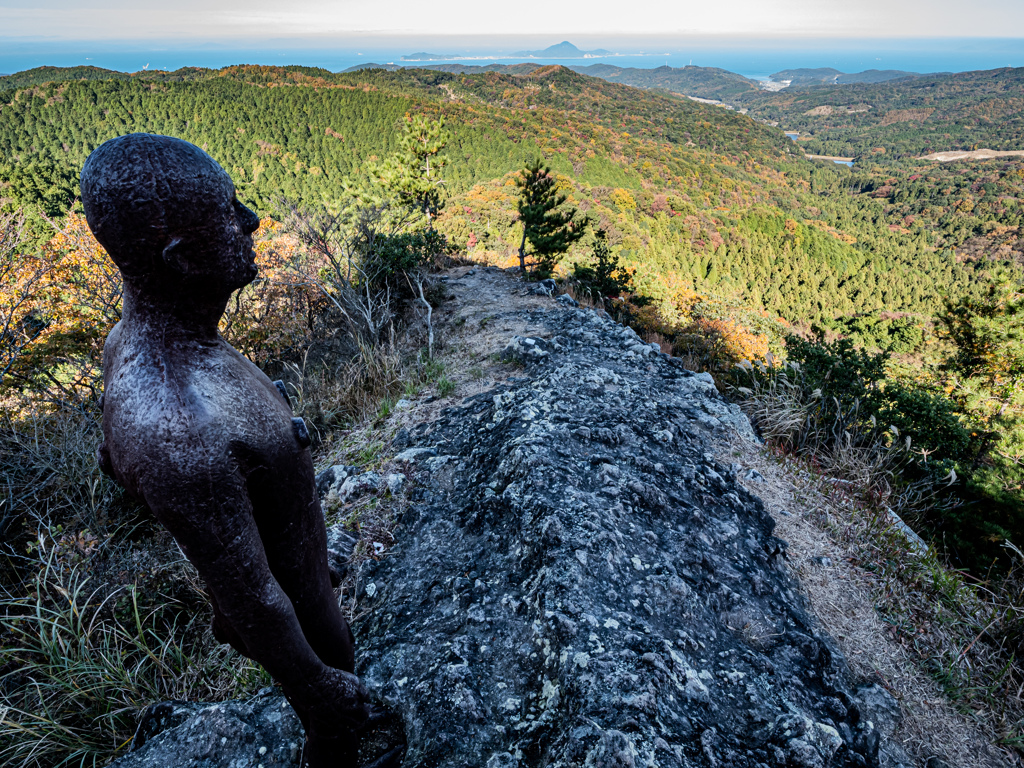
(291, 526)
(296, 544)
(219, 535)
(298, 560)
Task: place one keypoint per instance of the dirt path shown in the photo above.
(487, 306)
(842, 597)
(976, 154)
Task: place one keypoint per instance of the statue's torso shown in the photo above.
(173, 406)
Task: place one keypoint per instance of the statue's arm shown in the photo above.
(205, 506)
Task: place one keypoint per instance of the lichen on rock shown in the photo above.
(581, 583)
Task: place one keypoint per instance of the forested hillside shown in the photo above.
(703, 82)
(717, 218)
(802, 76)
(900, 119)
(689, 193)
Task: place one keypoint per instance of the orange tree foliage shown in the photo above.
(57, 306)
(22, 277)
(274, 316)
(709, 335)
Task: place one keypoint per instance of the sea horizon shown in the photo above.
(754, 58)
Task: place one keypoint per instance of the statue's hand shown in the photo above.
(103, 459)
(338, 710)
(342, 701)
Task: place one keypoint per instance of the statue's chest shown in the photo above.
(217, 399)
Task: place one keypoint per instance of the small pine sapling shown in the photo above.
(549, 228)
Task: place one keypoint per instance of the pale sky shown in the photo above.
(235, 20)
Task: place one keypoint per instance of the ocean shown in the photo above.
(756, 59)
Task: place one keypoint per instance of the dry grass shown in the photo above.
(900, 616)
(333, 397)
(581, 294)
(49, 477)
(656, 338)
(904, 612)
(777, 406)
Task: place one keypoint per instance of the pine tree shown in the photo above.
(550, 231)
(413, 173)
(605, 277)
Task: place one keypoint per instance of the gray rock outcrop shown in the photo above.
(577, 581)
(262, 733)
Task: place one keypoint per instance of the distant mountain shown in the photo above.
(702, 82)
(564, 50)
(828, 75)
(806, 75)
(475, 69)
(880, 76)
(39, 75)
(422, 56)
(371, 65)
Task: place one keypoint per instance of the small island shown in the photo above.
(565, 50)
(422, 56)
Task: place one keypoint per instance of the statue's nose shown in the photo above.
(248, 220)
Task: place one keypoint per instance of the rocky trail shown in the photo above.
(582, 574)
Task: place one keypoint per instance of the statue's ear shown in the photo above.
(174, 256)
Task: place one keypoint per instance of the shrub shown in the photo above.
(605, 278)
(393, 260)
(930, 419)
(838, 369)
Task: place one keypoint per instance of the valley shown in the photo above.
(869, 320)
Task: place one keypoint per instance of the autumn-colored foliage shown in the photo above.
(58, 304)
(707, 335)
(275, 315)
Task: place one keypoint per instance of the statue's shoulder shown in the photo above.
(163, 396)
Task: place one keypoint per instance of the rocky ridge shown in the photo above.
(577, 581)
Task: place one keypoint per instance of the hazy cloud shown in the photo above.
(234, 19)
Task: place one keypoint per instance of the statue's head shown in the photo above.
(167, 214)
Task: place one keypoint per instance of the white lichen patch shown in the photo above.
(549, 695)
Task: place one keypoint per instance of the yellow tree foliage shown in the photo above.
(23, 276)
(728, 341)
(274, 316)
(57, 306)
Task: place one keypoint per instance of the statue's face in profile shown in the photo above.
(168, 215)
(216, 253)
